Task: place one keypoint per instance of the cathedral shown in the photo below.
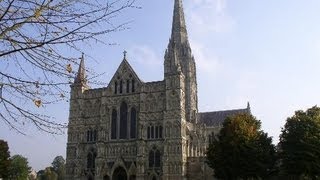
(133, 129)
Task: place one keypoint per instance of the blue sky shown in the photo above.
(265, 52)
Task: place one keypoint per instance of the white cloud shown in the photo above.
(206, 61)
(145, 55)
(204, 18)
(207, 16)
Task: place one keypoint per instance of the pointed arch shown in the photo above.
(121, 87)
(133, 85)
(114, 125)
(151, 159)
(115, 87)
(152, 132)
(157, 158)
(128, 86)
(88, 135)
(149, 133)
(123, 120)
(120, 174)
(91, 160)
(133, 123)
(157, 132)
(154, 158)
(160, 131)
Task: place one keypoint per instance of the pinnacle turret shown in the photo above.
(81, 75)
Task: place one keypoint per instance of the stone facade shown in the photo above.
(142, 130)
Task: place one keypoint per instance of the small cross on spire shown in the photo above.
(125, 54)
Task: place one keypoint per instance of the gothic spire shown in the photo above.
(81, 75)
(179, 30)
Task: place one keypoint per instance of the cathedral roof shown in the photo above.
(216, 118)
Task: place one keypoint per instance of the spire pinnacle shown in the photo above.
(81, 75)
(179, 29)
(248, 107)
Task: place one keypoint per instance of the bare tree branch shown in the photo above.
(35, 69)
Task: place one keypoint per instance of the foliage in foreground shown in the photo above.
(242, 150)
(19, 168)
(4, 159)
(299, 145)
(55, 172)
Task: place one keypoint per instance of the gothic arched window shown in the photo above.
(88, 136)
(157, 158)
(91, 135)
(154, 158)
(160, 132)
(152, 132)
(133, 123)
(133, 85)
(157, 132)
(116, 87)
(121, 87)
(95, 135)
(123, 120)
(128, 86)
(151, 159)
(91, 160)
(114, 124)
(148, 133)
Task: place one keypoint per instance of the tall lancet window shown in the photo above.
(128, 86)
(123, 120)
(154, 158)
(121, 87)
(115, 87)
(91, 160)
(133, 85)
(114, 124)
(133, 123)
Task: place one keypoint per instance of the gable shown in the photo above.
(125, 80)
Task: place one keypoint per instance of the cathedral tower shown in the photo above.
(178, 57)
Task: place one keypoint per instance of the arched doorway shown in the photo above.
(119, 174)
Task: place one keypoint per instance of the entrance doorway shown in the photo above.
(119, 174)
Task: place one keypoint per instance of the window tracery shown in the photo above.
(154, 158)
